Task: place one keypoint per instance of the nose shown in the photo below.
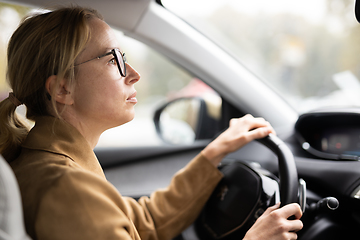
(132, 76)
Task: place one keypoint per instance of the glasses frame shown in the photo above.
(112, 52)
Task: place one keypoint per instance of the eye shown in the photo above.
(112, 61)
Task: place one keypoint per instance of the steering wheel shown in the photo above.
(287, 168)
(245, 192)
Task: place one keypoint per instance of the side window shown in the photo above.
(10, 16)
(161, 81)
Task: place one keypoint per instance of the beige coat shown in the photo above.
(66, 195)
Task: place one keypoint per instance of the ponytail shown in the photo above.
(12, 129)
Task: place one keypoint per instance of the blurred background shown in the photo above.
(308, 51)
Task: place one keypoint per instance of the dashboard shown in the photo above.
(331, 134)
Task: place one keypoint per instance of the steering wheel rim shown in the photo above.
(287, 168)
(224, 217)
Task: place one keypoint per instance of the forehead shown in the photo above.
(102, 39)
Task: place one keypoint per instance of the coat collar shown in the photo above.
(57, 136)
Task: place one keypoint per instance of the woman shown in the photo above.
(66, 66)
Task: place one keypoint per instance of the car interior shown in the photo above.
(11, 216)
(313, 160)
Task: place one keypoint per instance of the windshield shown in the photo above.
(308, 51)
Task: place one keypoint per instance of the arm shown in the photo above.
(174, 208)
(80, 205)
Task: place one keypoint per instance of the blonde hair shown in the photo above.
(42, 46)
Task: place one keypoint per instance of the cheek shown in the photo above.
(99, 92)
(100, 95)
(88, 88)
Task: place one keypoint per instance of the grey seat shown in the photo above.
(11, 215)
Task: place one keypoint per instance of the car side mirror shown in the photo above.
(185, 120)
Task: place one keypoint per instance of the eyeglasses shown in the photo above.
(119, 58)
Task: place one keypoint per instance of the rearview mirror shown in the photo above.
(185, 120)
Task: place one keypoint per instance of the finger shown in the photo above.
(250, 123)
(296, 225)
(260, 132)
(272, 208)
(258, 123)
(246, 118)
(290, 210)
(291, 235)
(250, 120)
(271, 129)
(249, 116)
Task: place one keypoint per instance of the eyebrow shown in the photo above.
(108, 51)
(103, 55)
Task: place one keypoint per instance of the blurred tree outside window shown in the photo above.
(308, 51)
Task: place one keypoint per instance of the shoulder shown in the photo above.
(82, 205)
(40, 171)
(40, 168)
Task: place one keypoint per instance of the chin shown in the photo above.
(128, 119)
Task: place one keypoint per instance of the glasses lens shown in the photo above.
(121, 62)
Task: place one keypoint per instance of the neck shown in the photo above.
(90, 132)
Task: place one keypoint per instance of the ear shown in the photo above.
(59, 89)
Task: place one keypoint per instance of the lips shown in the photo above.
(132, 98)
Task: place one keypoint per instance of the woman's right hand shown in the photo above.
(240, 132)
(274, 224)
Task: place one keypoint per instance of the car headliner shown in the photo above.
(118, 16)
